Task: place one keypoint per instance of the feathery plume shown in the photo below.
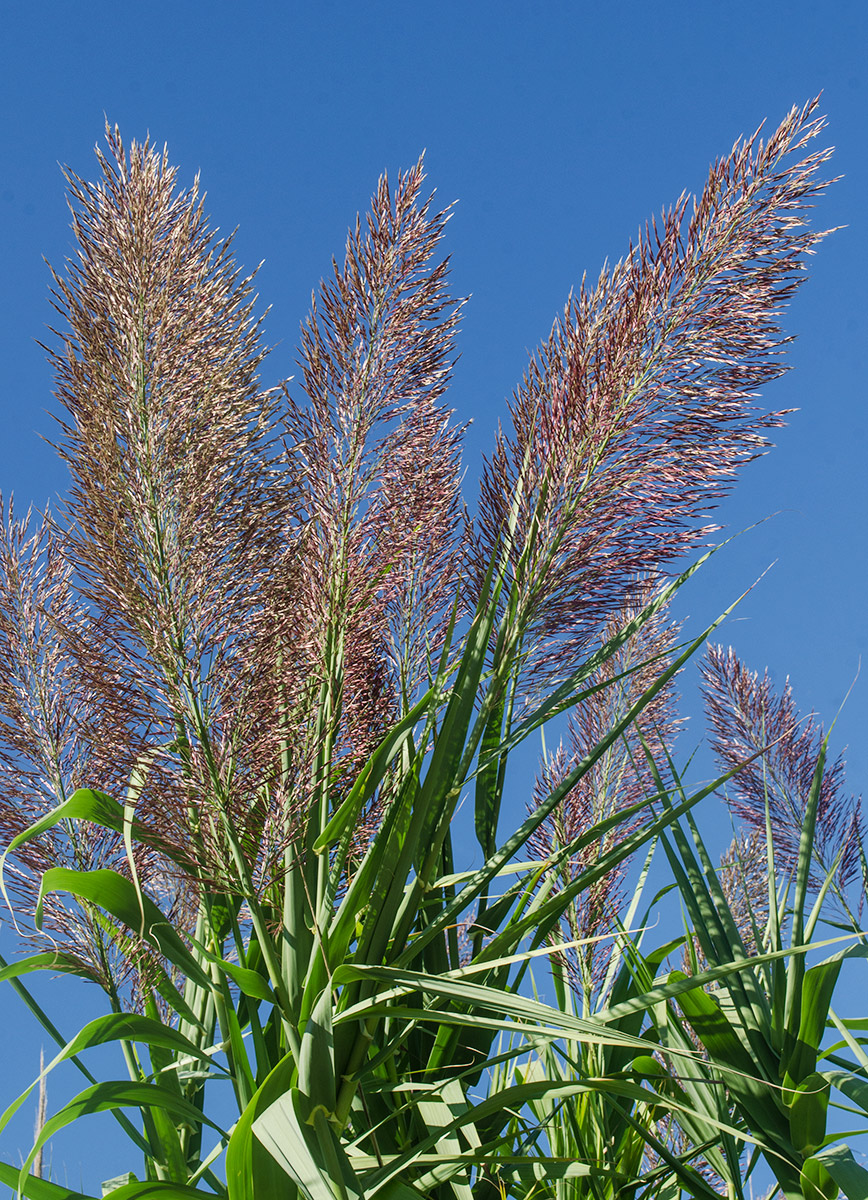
(746, 717)
(172, 517)
(53, 734)
(373, 549)
(42, 755)
(743, 878)
(635, 415)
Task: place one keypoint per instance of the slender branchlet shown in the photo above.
(41, 1115)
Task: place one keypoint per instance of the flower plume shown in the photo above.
(374, 546)
(170, 523)
(54, 734)
(635, 415)
(748, 718)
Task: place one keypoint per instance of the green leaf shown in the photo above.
(851, 1084)
(807, 1106)
(396, 1190)
(104, 1097)
(506, 1008)
(439, 1110)
(567, 694)
(371, 776)
(507, 1100)
(251, 983)
(302, 1141)
(796, 972)
(165, 1191)
(118, 1181)
(111, 1028)
(50, 960)
(38, 1189)
(477, 882)
(49, 1026)
(118, 896)
(251, 1172)
(818, 987)
(727, 1052)
(85, 804)
(133, 1027)
(850, 1177)
(316, 1064)
(489, 780)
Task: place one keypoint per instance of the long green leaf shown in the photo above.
(478, 882)
(850, 1177)
(818, 985)
(119, 897)
(316, 1064)
(164, 1191)
(112, 1028)
(107, 1096)
(251, 1172)
(49, 960)
(301, 1140)
(570, 692)
(85, 804)
(489, 780)
(714, 1031)
(38, 1189)
(792, 1014)
(371, 775)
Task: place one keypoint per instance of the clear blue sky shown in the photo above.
(560, 127)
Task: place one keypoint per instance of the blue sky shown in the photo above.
(559, 128)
